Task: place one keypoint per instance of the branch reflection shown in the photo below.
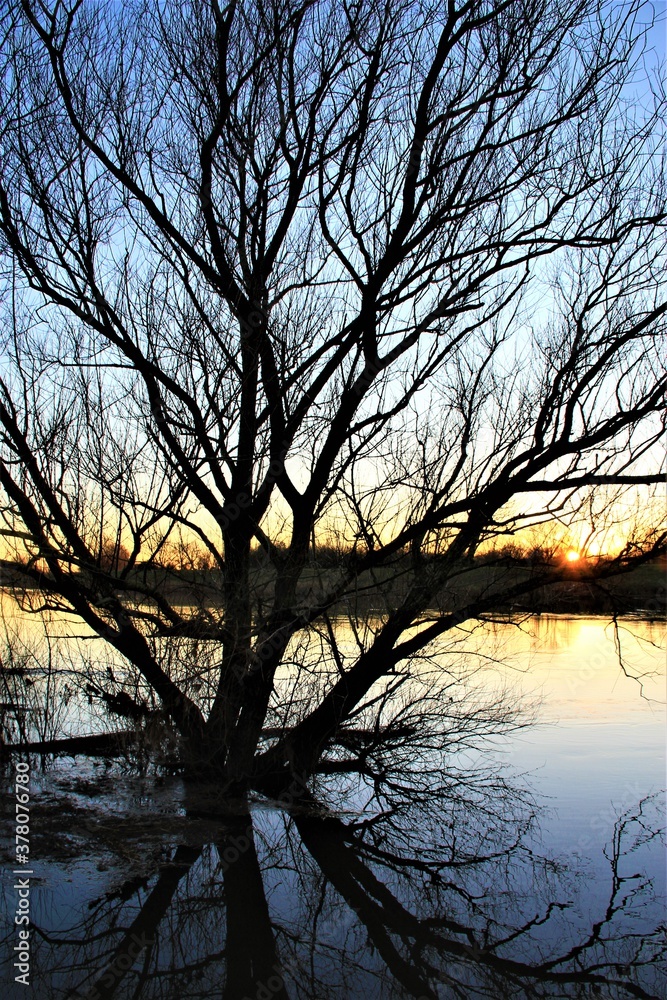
(441, 899)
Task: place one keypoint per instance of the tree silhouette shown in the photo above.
(283, 274)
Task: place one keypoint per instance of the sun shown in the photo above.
(572, 556)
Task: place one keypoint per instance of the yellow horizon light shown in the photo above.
(572, 556)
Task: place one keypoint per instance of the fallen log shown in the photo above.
(97, 745)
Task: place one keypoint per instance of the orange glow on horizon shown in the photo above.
(572, 556)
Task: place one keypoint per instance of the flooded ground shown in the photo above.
(527, 860)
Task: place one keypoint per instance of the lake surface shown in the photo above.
(526, 860)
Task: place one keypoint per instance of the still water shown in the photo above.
(524, 857)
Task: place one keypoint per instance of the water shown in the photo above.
(524, 861)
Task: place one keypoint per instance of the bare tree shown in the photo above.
(283, 272)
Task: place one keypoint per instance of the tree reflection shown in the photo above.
(438, 899)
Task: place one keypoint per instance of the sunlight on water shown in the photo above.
(540, 803)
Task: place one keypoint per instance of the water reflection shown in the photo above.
(53, 679)
(433, 899)
(413, 867)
